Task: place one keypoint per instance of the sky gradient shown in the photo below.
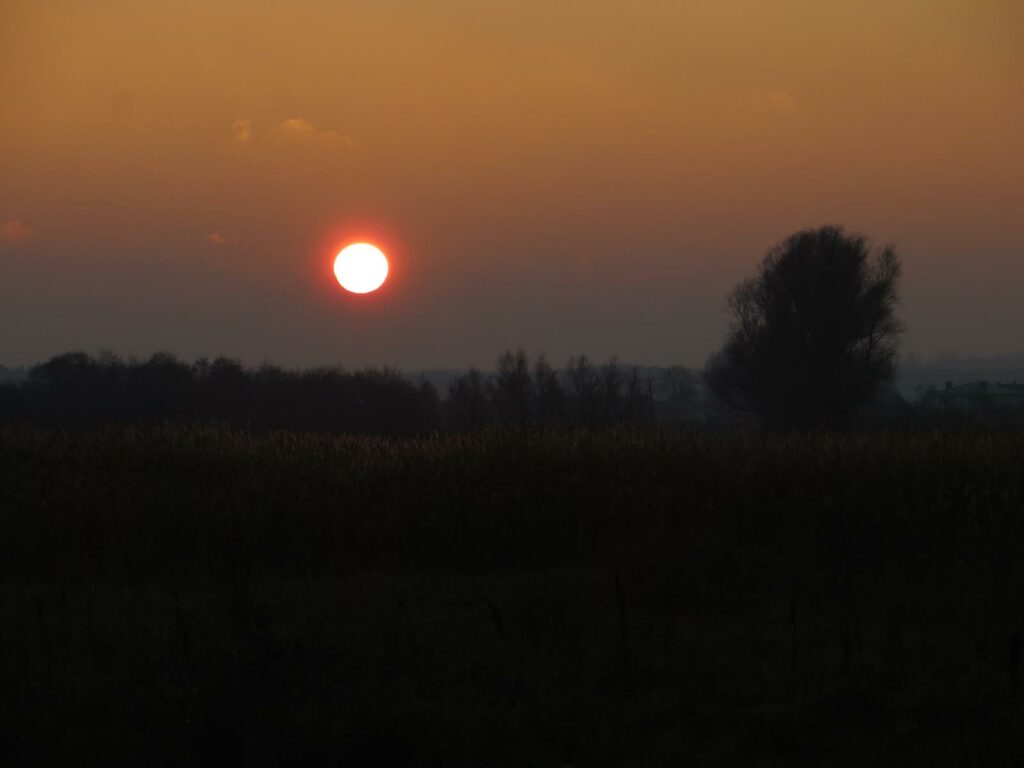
(564, 176)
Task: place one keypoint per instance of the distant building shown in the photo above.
(982, 393)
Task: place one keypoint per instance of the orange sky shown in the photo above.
(587, 176)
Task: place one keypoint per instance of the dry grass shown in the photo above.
(630, 597)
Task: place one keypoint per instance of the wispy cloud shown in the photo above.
(15, 231)
(242, 130)
(219, 239)
(301, 128)
(298, 126)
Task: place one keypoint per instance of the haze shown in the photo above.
(570, 177)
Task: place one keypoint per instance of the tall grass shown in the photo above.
(619, 597)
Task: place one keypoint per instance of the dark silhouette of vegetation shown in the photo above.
(256, 565)
(470, 401)
(814, 335)
(513, 388)
(550, 397)
(584, 388)
(581, 395)
(594, 597)
(77, 390)
(679, 390)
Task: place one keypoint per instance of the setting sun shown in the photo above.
(361, 268)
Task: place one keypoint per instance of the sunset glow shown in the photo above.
(361, 268)
(617, 165)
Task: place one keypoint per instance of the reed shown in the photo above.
(825, 598)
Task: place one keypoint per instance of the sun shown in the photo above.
(361, 268)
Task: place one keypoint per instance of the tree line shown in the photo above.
(583, 393)
(813, 343)
(80, 390)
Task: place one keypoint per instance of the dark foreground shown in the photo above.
(209, 597)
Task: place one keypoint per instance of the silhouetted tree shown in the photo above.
(638, 396)
(680, 397)
(513, 387)
(548, 394)
(469, 401)
(584, 388)
(611, 379)
(814, 334)
(76, 390)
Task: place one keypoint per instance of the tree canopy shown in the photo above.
(814, 334)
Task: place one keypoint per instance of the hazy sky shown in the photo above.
(588, 176)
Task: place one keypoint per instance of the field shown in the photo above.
(197, 595)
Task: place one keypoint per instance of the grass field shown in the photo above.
(195, 595)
